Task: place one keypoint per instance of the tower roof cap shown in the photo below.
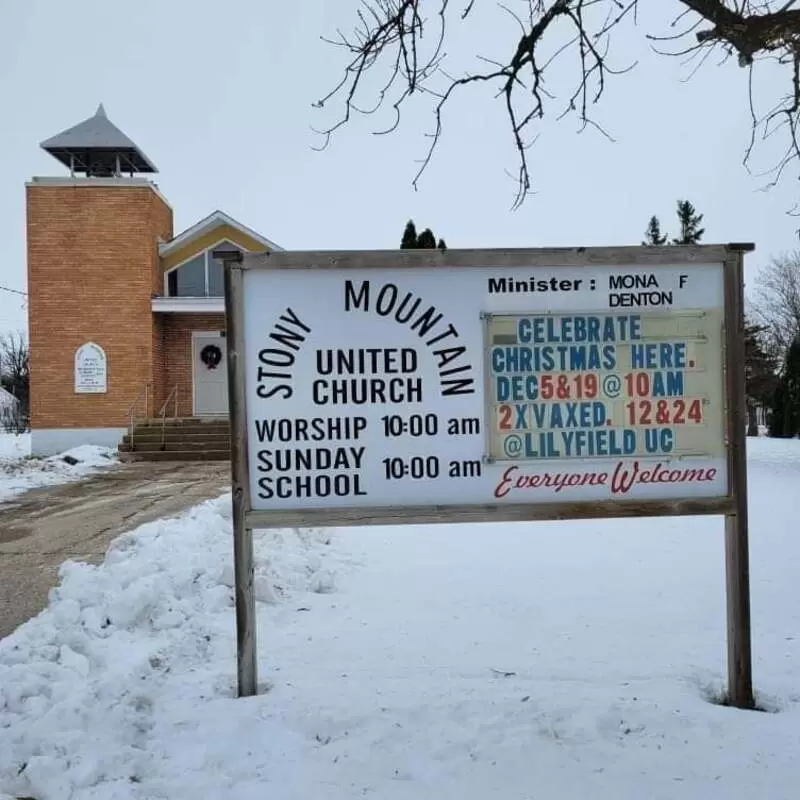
(98, 147)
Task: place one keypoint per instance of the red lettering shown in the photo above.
(623, 479)
(558, 481)
(503, 488)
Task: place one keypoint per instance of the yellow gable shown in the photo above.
(209, 239)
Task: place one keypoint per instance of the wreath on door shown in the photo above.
(211, 355)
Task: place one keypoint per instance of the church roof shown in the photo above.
(208, 227)
(94, 140)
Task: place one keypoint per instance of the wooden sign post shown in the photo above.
(426, 386)
(737, 557)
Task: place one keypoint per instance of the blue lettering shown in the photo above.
(523, 387)
(639, 356)
(599, 442)
(512, 359)
(571, 330)
(598, 414)
(541, 445)
(661, 355)
(566, 415)
(628, 441)
(659, 440)
(667, 384)
(502, 389)
(498, 362)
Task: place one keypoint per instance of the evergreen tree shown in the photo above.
(790, 390)
(409, 240)
(426, 240)
(785, 417)
(776, 416)
(653, 236)
(761, 378)
(689, 222)
(423, 241)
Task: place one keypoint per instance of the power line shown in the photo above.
(13, 291)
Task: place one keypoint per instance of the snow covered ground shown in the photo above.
(14, 446)
(19, 472)
(565, 660)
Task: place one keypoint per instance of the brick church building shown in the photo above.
(126, 318)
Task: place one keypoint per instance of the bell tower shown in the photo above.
(93, 268)
(96, 148)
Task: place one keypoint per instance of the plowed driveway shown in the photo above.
(44, 527)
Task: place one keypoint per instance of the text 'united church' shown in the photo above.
(381, 375)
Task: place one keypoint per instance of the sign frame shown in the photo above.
(79, 386)
(733, 505)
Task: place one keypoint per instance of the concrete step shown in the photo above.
(189, 427)
(181, 439)
(173, 446)
(177, 436)
(156, 421)
(177, 455)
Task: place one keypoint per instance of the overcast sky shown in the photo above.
(219, 96)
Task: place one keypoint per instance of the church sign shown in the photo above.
(469, 389)
(91, 373)
(426, 386)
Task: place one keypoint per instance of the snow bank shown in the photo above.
(19, 472)
(14, 446)
(148, 632)
(547, 661)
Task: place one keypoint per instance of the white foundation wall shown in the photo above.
(51, 441)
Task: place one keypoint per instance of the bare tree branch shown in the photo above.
(391, 38)
(776, 303)
(14, 378)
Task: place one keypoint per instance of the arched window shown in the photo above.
(200, 276)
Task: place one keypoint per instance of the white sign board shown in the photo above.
(457, 386)
(91, 371)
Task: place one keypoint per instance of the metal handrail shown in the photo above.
(173, 396)
(144, 392)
